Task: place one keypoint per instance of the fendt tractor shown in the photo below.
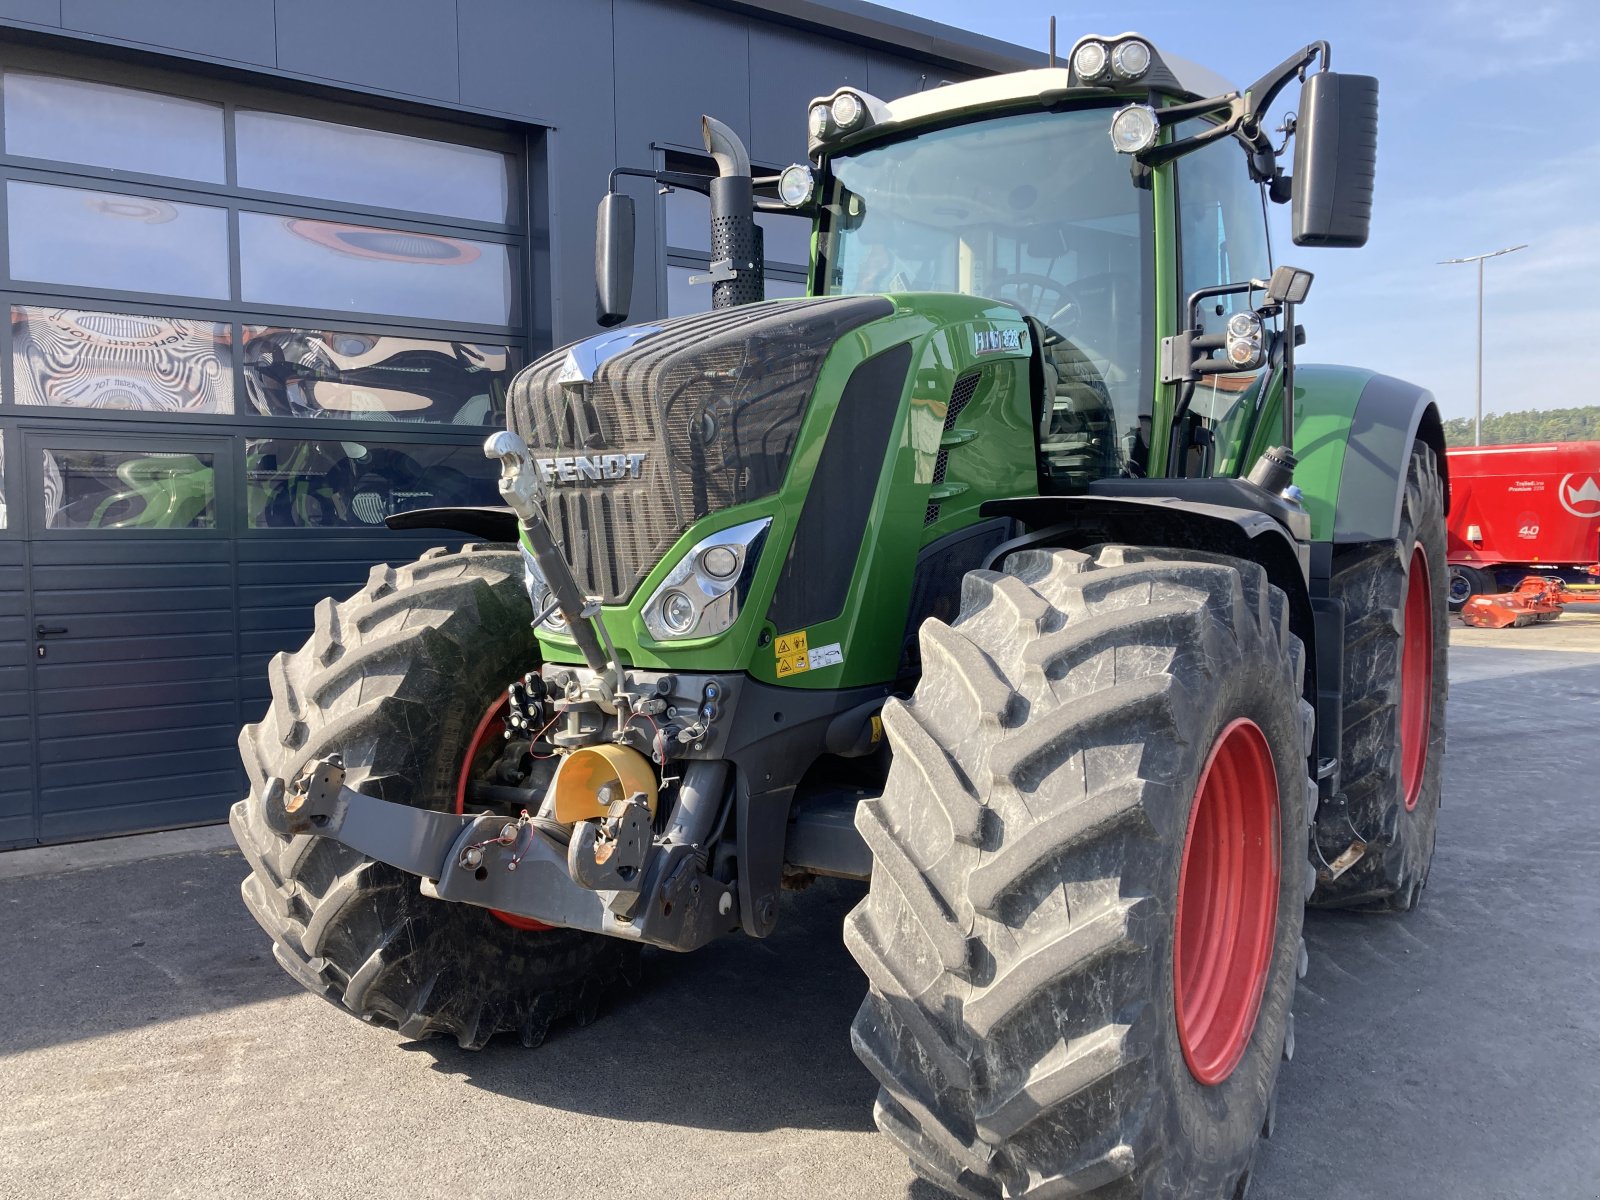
(1017, 571)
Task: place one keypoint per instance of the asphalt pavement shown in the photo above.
(149, 1045)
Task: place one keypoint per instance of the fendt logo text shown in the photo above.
(598, 468)
(1580, 499)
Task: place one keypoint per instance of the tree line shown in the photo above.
(1551, 425)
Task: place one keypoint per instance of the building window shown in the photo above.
(120, 361)
(296, 483)
(129, 489)
(204, 256)
(369, 376)
(303, 157)
(130, 243)
(786, 244)
(118, 128)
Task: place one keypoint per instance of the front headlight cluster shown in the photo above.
(702, 594)
(1095, 62)
(846, 112)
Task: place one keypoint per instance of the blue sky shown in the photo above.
(1486, 139)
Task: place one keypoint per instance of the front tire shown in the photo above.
(1026, 1018)
(395, 680)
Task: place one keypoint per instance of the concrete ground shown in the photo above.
(149, 1046)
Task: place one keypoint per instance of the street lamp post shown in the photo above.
(1477, 423)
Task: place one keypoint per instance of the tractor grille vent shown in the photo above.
(712, 402)
(960, 395)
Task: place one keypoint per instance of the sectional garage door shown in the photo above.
(243, 329)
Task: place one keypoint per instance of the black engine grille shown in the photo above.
(713, 401)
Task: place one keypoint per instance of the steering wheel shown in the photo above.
(1033, 294)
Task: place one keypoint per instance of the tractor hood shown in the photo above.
(640, 432)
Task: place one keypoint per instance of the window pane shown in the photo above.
(302, 157)
(685, 297)
(373, 377)
(688, 217)
(688, 220)
(117, 127)
(788, 238)
(295, 483)
(80, 359)
(108, 240)
(357, 268)
(128, 489)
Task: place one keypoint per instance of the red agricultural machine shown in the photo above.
(1520, 511)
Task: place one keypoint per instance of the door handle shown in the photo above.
(49, 630)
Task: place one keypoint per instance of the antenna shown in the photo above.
(1052, 40)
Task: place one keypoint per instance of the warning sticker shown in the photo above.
(792, 654)
(825, 656)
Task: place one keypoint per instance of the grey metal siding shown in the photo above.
(16, 724)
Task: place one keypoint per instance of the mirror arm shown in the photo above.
(674, 179)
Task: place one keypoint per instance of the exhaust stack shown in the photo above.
(736, 271)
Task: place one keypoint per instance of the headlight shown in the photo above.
(702, 594)
(847, 110)
(1244, 340)
(1130, 60)
(796, 184)
(817, 121)
(1134, 129)
(1089, 60)
(539, 594)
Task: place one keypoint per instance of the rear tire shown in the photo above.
(395, 680)
(1019, 933)
(1391, 781)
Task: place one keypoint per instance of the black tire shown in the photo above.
(395, 679)
(1467, 582)
(1372, 580)
(1018, 933)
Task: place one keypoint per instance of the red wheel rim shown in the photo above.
(1227, 902)
(1416, 678)
(490, 731)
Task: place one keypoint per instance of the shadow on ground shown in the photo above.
(111, 949)
(741, 1035)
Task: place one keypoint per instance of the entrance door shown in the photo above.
(133, 645)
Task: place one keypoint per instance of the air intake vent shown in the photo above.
(960, 395)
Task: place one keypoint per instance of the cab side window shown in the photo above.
(1222, 238)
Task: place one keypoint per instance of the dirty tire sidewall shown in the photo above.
(1018, 932)
(1371, 579)
(394, 680)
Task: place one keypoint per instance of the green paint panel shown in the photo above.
(993, 457)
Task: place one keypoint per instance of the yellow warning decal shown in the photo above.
(792, 653)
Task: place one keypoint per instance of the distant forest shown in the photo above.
(1552, 425)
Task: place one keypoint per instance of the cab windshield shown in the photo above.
(1036, 210)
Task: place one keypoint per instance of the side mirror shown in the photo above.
(1335, 159)
(613, 259)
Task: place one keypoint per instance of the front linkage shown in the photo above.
(588, 858)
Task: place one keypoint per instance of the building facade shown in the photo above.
(269, 266)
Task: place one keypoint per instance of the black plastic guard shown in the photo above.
(492, 524)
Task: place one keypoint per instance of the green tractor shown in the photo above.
(1017, 572)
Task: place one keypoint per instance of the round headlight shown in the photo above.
(847, 110)
(1130, 60)
(1134, 129)
(1089, 60)
(1242, 324)
(817, 121)
(677, 612)
(719, 562)
(796, 184)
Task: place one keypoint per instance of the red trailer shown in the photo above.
(1522, 510)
